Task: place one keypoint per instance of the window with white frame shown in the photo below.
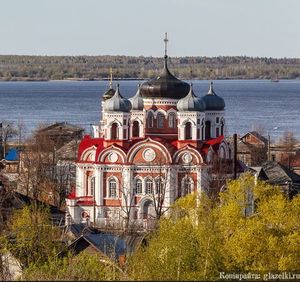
(159, 185)
(150, 120)
(112, 188)
(172, 120)
(160, 120)
(92, 186)
(149, 186)
(187, 186)
(138, 187)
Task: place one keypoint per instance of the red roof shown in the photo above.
(171, 145)
(88, 142)
(215, 143)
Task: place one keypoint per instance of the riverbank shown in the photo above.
(40, 68)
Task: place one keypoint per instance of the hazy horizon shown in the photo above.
(136, 56)
(210, 28)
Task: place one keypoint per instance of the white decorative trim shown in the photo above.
(187, 157)
(149, 143)
(109, 150)
(157, 101)
(189, 149)
(113, 157)
(149, 155)
(107, 187)
(86, 152)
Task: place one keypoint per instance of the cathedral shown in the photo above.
(147, 151)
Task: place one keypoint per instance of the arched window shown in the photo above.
(222, 153)
(159, 183)
(222, 127)
(135, 129)
(150, 120)
(149, 186)
(112, 188)
(172, 120)
(202, 129)
(207, 129)
(92, 186)
(138, 187)
(187, 186)
(160, 120)
(114, 131)
(188, 131)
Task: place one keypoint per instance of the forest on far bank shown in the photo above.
(16, 67)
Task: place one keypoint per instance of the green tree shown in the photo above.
(83, 267)
(30, 236)
(260, 228)
(251, 227)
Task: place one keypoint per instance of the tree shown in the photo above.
(288, 143)
(82, 267)
(43, 174)
(30, 236)
(8, 131)
(252, 227)
(261, 225)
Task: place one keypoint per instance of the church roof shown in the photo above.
(212, 101)
(165, 85)
(117, 103)
(137, 103)
(171, 145)
(108, 94)
(191, 102)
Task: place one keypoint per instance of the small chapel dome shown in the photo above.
(213, 101)
(137, 102)
(117, 103)
(111, 91)
(191, 102)
(108, 94)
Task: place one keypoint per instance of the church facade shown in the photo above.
(147, 151)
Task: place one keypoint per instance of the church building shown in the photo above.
(147, 151)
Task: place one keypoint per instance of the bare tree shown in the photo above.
(20, 129)
(126, 198)
(43, 175)
(161, 187)
(8, 131)
(221, 170)
(288, 143)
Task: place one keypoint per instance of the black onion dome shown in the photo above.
(166, 85)
(117, 103)
(191, 103)
(212, 101)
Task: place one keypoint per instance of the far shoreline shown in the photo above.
(136, 78)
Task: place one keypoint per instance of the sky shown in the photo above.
(263, 28)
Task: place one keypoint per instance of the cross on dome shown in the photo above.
(166, 43)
